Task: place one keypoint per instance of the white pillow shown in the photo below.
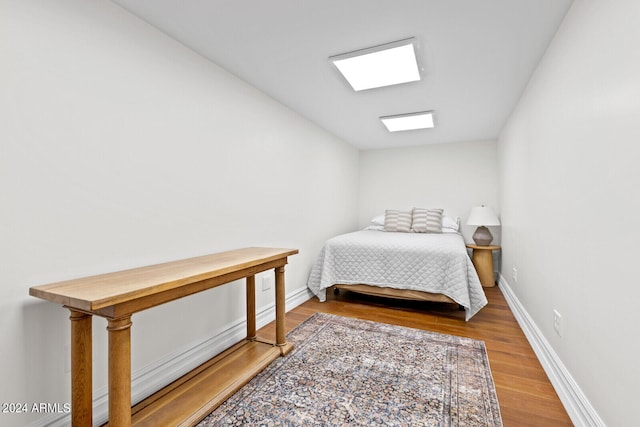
(378, 220)
(375, 227)
(451, 223)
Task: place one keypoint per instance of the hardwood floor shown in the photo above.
(526, 396)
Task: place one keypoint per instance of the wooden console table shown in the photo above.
(116, 296)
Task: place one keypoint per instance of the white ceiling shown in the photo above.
(477, 57)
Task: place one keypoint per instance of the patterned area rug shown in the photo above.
(347, 371)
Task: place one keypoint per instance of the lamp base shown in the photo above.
(482, 236)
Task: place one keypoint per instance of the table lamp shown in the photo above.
(482, 216)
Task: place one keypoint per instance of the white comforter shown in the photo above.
(436, 263)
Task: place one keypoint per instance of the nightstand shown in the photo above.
(483, 262)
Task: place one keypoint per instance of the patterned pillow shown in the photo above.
(426, 220)
(397, 221)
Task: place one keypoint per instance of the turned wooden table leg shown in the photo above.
(281, 342)
(251, 307)
(119, 371)
(81, 369)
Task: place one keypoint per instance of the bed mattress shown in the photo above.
(436, 263)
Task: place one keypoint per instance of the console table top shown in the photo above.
(107, 290)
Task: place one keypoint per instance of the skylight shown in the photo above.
(412, 121)
(384, 65)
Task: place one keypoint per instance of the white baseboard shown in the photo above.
(580, 410)
(163, 371)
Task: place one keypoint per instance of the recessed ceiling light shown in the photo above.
(400, 122)
(384, 65)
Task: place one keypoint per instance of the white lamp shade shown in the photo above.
(482, 215)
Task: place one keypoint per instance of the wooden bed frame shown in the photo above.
(405, 294)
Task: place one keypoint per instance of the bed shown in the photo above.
(423, 266)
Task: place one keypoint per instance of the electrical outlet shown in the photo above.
(514, 274)
(557, 322)
(266, 283)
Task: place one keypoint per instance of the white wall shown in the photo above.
(569, 194)
(454, 177)
(121, 148)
